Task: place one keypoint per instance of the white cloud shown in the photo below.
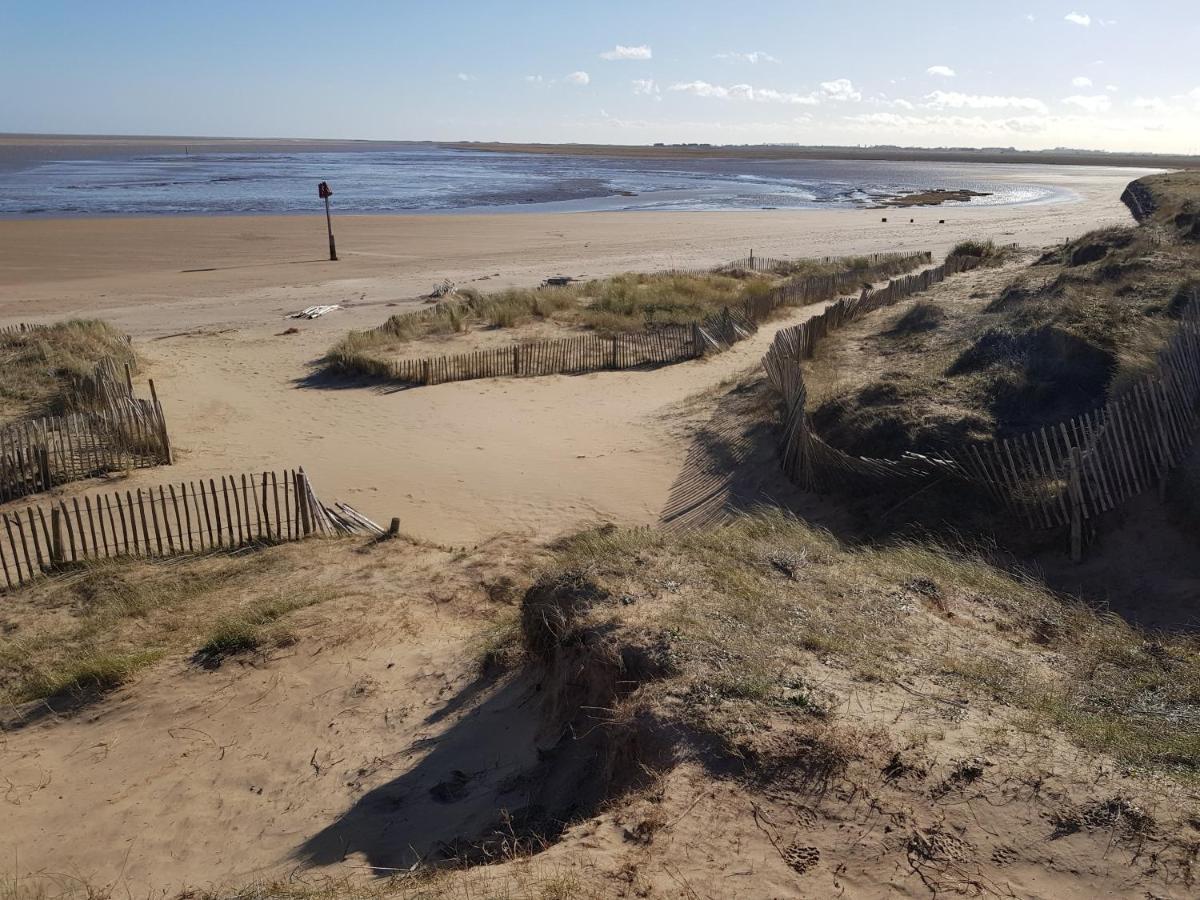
(953, 124)
(1151, 104)
(743, 92)
(580, 78)
(1081, 81)
(1111, 88)
(534, 79)
(1095, 103)
(955, 100)
(753, 57)
(1106, 22)
(622, 52)
(840, 89)
(1030, 17)
(903, 104)
(943, 71)
(463, 76)
(645, 86)
(1078, 19)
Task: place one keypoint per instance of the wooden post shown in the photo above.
(613, 363)
(394, 527)
(162, 424)
(43, 458)
(325, 193)
(302, 504)
(56, 541)
(1076, 489)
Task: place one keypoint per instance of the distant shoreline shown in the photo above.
(18, 149)
(875, 154)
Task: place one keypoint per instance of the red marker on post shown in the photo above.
(325, 193)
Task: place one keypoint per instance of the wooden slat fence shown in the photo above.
(569, 356)
(21, 328)
(110, 430)
(659, 345)
(183, 517)
(1055, 476)
(892, 263)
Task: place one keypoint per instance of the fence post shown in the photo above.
(162, 424)
(302, 496)
(56, 541)
(613, 364)
(1076, 491)
(697, 341)
(43, 460)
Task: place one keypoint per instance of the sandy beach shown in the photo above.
(206, 298)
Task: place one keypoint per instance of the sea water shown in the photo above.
(432, 179)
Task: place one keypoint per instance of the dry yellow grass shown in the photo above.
(39, 365)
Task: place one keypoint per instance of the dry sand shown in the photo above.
(205, 299)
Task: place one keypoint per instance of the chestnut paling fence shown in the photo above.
(196, 516)
(658, 345)
(109, 429)
(1055, 476)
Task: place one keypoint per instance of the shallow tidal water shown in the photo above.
(429, 179)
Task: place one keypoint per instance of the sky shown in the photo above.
(1097, 74)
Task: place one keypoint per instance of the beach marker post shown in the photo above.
(325, 193)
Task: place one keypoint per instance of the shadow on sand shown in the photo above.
(493, 781)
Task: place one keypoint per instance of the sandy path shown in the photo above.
(456, 462)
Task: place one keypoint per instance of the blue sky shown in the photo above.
(1107, 75)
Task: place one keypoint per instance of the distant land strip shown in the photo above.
(1064, 157)
(19, 148)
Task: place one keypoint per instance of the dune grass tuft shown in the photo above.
(39, 364)
(95, 673)
(248, 629)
